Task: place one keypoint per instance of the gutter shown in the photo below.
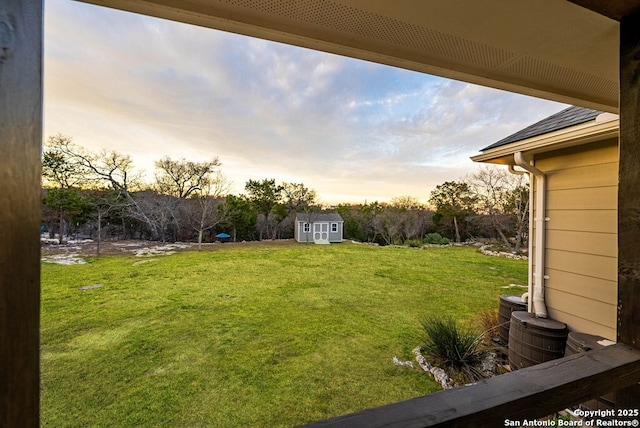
(536, 277)
(604, 127)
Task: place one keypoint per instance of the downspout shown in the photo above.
(526, 296)
(538, 303)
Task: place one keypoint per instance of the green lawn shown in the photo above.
(249, 336)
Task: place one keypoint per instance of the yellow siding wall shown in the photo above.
(582, 247)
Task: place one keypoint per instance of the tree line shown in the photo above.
(99, 195)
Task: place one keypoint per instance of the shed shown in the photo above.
(575, 152)
(320, 228)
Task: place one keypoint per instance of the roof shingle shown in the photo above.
(314, 217)
(571, 116)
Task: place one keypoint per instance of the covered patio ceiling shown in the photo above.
(556, 49)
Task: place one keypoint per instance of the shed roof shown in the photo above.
(571, 116)
(315, 217)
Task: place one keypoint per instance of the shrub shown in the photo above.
(414, 243)
(455, 349)
(435, 238)
(498, 246)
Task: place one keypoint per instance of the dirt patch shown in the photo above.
(65, 258)
(90, 287)
(52, 252)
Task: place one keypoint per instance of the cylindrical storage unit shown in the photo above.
(508, 304)
(534, 340)
(581, 342)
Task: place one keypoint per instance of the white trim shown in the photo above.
(321, 231)
(589, 132)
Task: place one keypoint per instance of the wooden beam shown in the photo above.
(629, 196)
(530, 393)
(20, 145)
(629, 184)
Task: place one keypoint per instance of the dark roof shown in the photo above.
(568, 117)
(313, 217)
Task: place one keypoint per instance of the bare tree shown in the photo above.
(497, 198)
(58, 169)
(517, 206)
(181, 178)
(159, 212)
(203, 213)
(106, 167)
(206, 207)
(267, 225)
(388, 224)
(183, 196)
(406, 203)
(414, 217)
(367, 218)
(61, 180)
(402, 219)
(104, 202)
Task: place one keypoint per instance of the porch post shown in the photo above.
(20, 144)
(629, 197)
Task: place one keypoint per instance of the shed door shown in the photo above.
(320, 231)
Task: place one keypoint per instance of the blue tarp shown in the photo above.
(223, 235)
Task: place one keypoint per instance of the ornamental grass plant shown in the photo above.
(458, 350)
(489, 323)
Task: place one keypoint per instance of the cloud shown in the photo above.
(347, 128)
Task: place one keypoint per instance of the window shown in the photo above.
(334, 227)
(306, 229)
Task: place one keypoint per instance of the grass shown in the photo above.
(260, 336)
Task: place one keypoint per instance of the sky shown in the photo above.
(352, 130)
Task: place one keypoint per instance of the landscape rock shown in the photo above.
(438, 374)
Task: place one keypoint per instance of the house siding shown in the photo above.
(581, 254)
(301, 236)
(336, 236)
